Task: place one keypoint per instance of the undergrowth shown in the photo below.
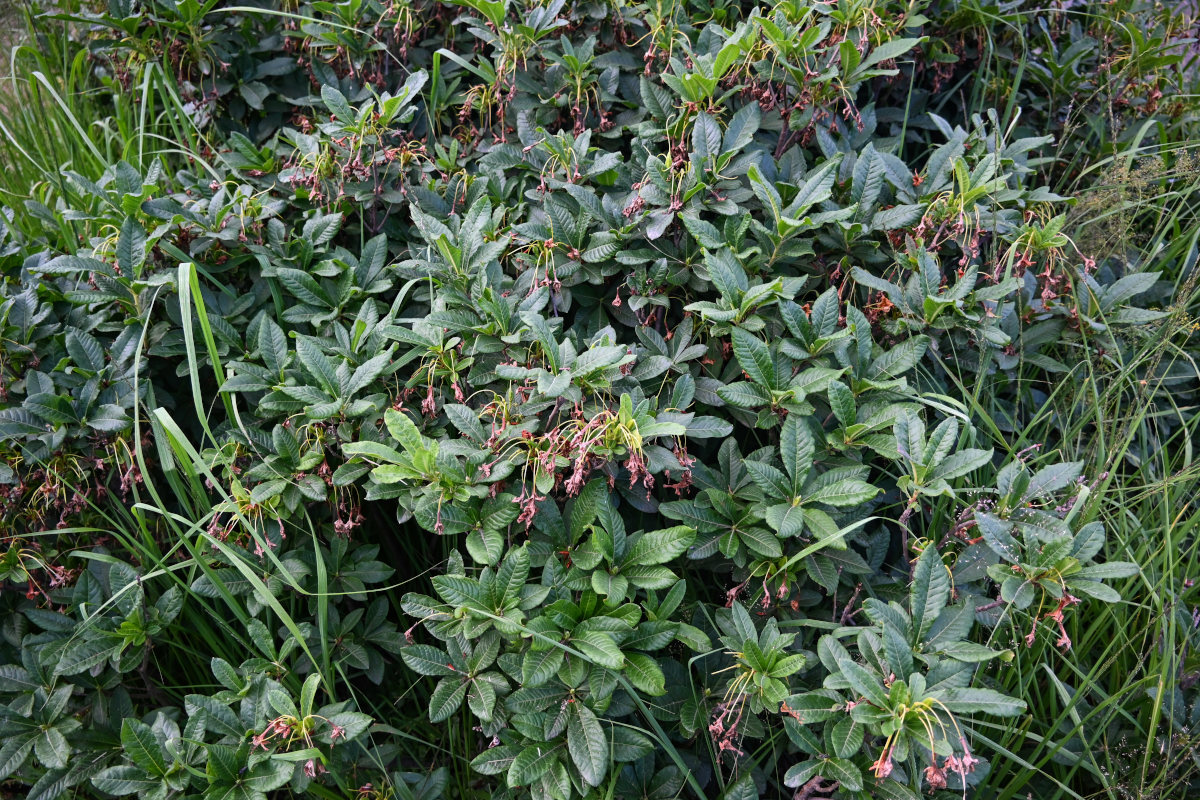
(430, 400)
